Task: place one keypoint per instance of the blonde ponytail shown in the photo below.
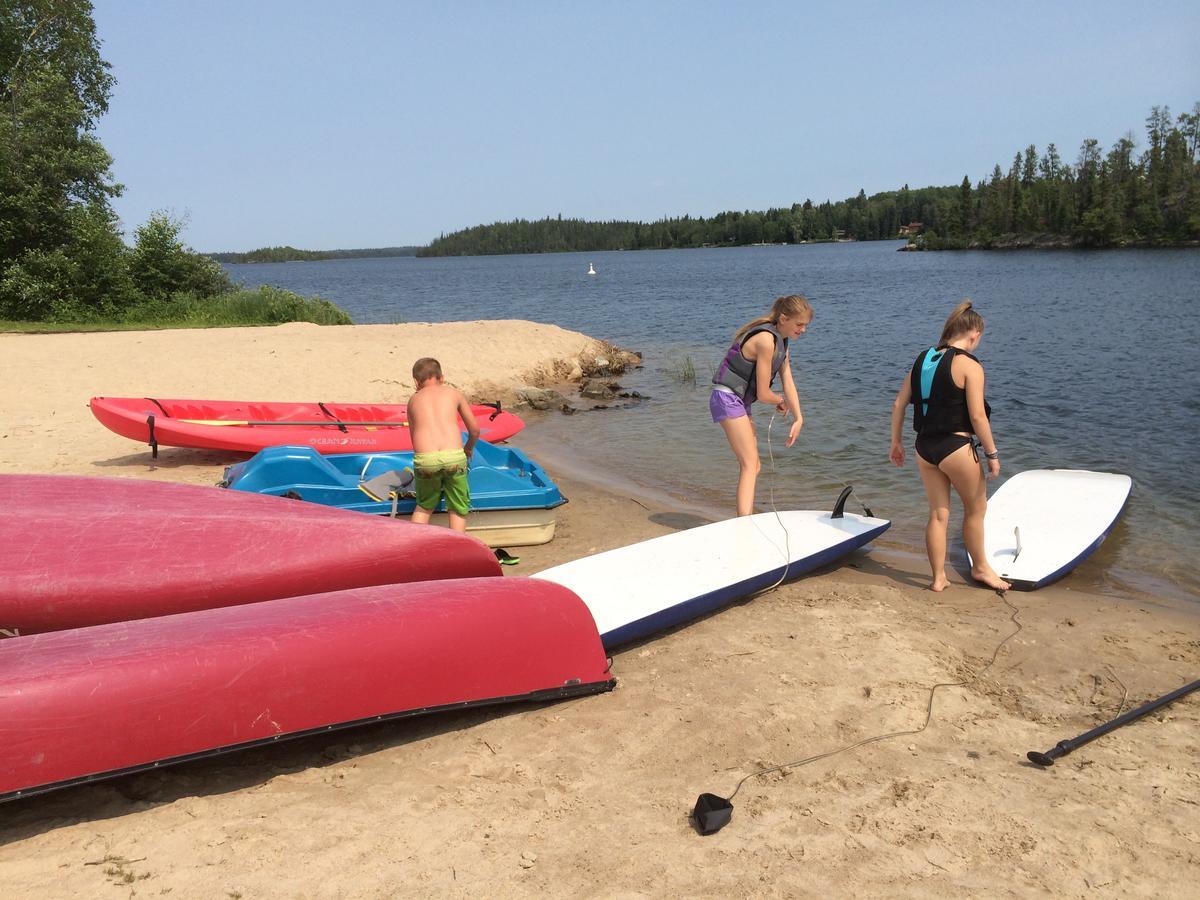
(962, 321)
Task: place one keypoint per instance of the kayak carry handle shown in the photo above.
(153, 439)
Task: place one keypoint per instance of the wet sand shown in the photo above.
(590, 796)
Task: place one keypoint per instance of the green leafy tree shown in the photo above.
(965, 220)
(160, 265)
(56, 223)
(1189, 126)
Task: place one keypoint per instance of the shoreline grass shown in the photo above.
(264, 305)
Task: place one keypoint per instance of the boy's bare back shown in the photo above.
(433, 414)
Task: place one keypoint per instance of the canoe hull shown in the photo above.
(185, 423)
(80, 705)
(84, 551)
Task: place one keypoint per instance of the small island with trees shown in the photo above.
(291, 254)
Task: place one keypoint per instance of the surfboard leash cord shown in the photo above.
(787, 546)
(894, 734)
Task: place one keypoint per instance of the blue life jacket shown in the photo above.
(939, 405)
(737, 373)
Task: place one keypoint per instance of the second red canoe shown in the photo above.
(92, 703)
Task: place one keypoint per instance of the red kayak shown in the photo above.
(81, 551)
(248, 426)
(91, 703)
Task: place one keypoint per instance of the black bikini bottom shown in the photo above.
(933, 448)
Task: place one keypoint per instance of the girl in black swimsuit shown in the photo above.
(945, 388)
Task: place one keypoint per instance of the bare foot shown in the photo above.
(990, 578)
(940, 583)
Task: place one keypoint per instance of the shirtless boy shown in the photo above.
(439, 457)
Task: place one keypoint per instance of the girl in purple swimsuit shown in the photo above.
(945, 388)
(759, 354)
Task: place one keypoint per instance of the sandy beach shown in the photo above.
(590, 797)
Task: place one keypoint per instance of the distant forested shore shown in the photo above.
(1101, 200)
(291, 254)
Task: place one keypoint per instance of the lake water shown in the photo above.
(1091, 360)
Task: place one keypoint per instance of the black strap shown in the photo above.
(160, 406)
(153, 439)
(341, 427)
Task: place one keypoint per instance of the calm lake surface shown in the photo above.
(1091, 360)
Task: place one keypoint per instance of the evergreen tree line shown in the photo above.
(62, 256)
(1101, 200)
(291, 254)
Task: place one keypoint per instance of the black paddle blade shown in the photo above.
(1042, 759)
(711, 813)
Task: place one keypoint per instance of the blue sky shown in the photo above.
(368, 124)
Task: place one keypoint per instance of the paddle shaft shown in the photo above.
(331, 422)
(337, 423)
(1062, 748)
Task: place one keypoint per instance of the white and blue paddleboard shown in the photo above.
(1042, 523)
(644, 588)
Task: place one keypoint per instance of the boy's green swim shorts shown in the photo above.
(442, 472)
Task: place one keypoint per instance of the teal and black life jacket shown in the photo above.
(737, 373)
(939, 405)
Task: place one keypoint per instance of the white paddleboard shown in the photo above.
(1042, 523)
(644, 588)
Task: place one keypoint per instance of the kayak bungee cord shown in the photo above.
(712, 812)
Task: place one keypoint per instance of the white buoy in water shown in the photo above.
(591, 269)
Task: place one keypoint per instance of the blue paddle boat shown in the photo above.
(513, 500)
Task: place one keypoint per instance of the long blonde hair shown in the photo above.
(791, 305)
(962, 321)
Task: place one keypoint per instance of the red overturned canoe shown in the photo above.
(250, 426)
(80, 551)
(77, 706)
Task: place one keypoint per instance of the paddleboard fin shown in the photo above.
(1017, 535)
(839, 508)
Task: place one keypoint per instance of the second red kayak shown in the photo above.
(249, 426)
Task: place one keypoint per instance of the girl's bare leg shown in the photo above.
(937, 491)
(457, 522)
(421, 515)
(744, 442)
(967, 477)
